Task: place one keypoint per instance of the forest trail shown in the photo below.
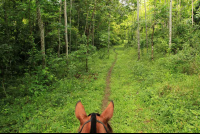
(107, 89)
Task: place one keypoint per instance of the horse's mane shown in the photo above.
(109, 127)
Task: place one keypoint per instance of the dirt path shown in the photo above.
(107, 90)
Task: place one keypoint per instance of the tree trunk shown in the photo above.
(41, 27)
(93, 27)
(180, 11)
(192, 14)
(78, 18)
(153, 27)
(86, 32)
(152, 43)
(30, 17)
(77, 27)
(133, 18)
(138, 29)
(109, 34)
(70, 45)
(66, 35)
(86, 61)
(6, 19)
(146, 26)
(93, 31)
(127, 32)
(59, 43)
(170, 25)
(109, 29)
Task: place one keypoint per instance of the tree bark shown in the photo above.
(133, 18)
(192, 14)
(59, 43)
(146, 25)
(180, 11)
(109, 29)
(109, 34)
(70, 45)
(78, 18)
(86, 32)
(66, 35)
(6, 19)
(138, 29)
(30, 17)
(170, 25)
(153, 27)
(78, 28)
(41, 27)
(93, 27)
(152, 43)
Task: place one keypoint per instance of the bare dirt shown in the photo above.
(107, 89)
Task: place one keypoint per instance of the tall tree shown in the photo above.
(88, 28)
(66, 35)
(41, 27)
(153, 28)
(30, 17)
(152, 43)
(170, 24)
(59, 42)
(6, 19)
(108, 28)
(70, 45)
(93, 29)
(146, 25)
(138, 28)
(192, 13)
(180, 11)
(86, 32)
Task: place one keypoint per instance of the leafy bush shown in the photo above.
(182, 62)
(161, 45)
(5, 58)
(36, 82)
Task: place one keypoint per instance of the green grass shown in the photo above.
(55, 111)
(149, 98)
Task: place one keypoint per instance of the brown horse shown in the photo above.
(94, 123)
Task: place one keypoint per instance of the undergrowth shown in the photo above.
(149, 96)
(53, 110)
(156, 96)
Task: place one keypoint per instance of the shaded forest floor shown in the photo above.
(148, 97)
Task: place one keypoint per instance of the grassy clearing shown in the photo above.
(54, 111)
(151, 97)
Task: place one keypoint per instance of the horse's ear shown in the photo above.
(80, 111)
(108, 112)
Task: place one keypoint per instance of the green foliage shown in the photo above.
(149, 96)
(6, 57)
(152, 96)
(54, 111)
(161, 45)
(184, 61)
(37, 82)
(104, 39)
